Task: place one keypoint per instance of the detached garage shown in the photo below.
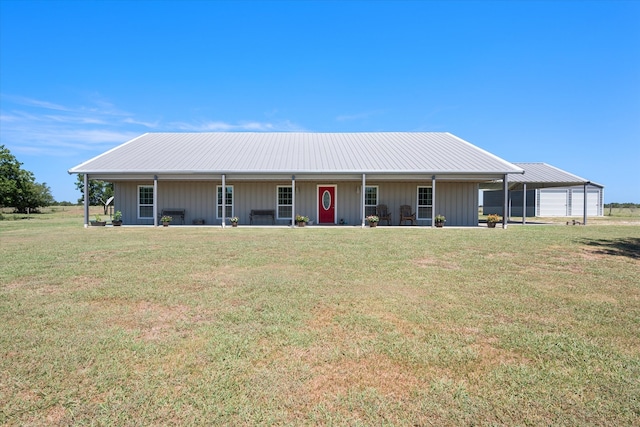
(546, 191)
(568, 201)
(551, 202)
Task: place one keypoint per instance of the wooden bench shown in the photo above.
(256, 213)
(173, 213)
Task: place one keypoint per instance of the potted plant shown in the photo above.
(440, 220)
(492, 220)
(98, 222)
(234, 221)
(301, 220)
(166, 220)
(373, 220)
(117, 219)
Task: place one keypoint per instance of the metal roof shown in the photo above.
(320, 153)
(544, 173)
(540, 175)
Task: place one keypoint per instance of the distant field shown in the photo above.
(623, 212)
(413, 326)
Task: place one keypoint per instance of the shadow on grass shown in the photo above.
(629, 246)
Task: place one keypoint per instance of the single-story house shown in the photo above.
(545, 190)
(268, 178)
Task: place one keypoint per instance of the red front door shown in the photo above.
(327, 204)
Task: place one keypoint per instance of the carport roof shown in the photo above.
(542, 175)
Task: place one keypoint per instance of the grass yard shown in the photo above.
(534, 325)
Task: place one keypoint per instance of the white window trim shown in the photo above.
(418, 205)
(141, 205)
(377, 197)
(278, 201)
(233, 200)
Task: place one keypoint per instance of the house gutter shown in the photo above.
(496, 173)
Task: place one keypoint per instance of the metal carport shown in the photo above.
(542, 175)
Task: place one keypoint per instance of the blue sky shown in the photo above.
(550, 81)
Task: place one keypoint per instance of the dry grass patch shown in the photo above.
(34, 284)
(490, 355)
(47, 286)
(221, 277)
(592, 254)
(150, 321)
(432, 262)
(377, 372)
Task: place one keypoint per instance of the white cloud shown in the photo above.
(6, 118)
(151, 125)
(201, 127)
(359, 116)
(62, 141)
(218, 126)
(76, 119)
(39, 127)
(22, 100)
(257, 126)
(34, 126)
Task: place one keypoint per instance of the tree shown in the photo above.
(99, 191)
(9, 177)
(43, 194)
(18, 187)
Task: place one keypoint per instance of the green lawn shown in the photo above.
(533, 325)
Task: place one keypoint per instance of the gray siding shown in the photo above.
(196, 197)
(493, 201)
(555, 201)
(458, 201)
(126, 201)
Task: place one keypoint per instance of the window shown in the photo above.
(425, 202)
(145, 201)
(285, 202)
(370, 200)
(228, 200)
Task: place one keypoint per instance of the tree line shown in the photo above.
(20, 191)
(18, 187)
(621, 205)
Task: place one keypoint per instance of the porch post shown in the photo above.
(224, 197)
(86, 200)
(293, 200)
(433, 201)
(524, 203)
(155, 200)
(505, 208)
(362, 199)
(584, 214)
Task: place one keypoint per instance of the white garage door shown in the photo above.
(553, 202)
(577, 198)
